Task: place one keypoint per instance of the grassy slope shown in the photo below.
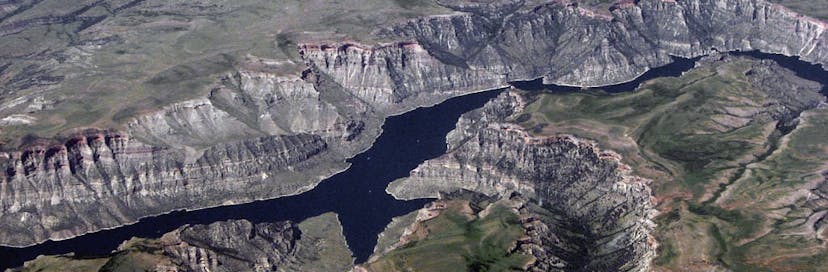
(688, 134)
(459, 241)
(134, 255)
(322, 247)
(62, 263)
(814, 8)
(168, 52)
(667, 128)
(777, 191)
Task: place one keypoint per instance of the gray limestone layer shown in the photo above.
(316, 244)
(270, 127)
(593, 213)
(103, 180)
(569, 45)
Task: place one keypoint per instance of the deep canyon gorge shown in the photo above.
(322, 122)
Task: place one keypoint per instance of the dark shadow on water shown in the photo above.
(358, 194)
(803, 69)
(674, 69)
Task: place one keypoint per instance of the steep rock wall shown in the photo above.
(104, 179)
(343, 91)
(595, 213)
(570, 45)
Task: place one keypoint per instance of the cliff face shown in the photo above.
(569, 45)
(462, 231)
(261, 134)
(104, 180)
(204, 247)
(316, 244)
(593, 212)
(734, 147)
(284, 105)
(397, 77)
(273, 127)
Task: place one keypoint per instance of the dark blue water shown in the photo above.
(803, 69)
(813, 72)
(674, 69)
(357, 195)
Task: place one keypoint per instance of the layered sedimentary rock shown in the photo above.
(198, 248)
(105, 179)
(461, 231)
(571, 45)
(316, 244)
(272, 102)
(288, 123)
(396, 77)
(594, 213)
(262, 134)
(189, 123)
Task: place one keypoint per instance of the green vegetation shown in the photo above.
(392, 233)
(814, 8)
(777, 189)
(134, 255)
(691, 128)
(456, 240)
(321, 247)
(728, 180)
(149, 56)
(64, 263)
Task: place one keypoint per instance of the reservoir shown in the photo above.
(358, 194)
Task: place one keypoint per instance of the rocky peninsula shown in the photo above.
(704, 171)
(316, 244)
(266, 127)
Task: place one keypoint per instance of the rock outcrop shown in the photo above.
(262, 134)
(316, 244)
(593, 212)
(193, 123)
(283, 125)
(570, 45)
(238, 245)
(394, 78)
(259, 247)
(106, 179)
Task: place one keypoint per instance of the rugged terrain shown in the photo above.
(459, 232)
(316, 244)
(733, 148)
(597, 215)
(113, 111)
(816, 9)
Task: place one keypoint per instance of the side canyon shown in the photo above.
(584, 180)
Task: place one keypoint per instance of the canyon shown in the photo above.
(590, 203)
(252, 124)
(345, 90)
(315, 244)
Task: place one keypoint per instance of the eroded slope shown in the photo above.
(316, 244)
(187, 96)
(705, 136)
(596, 215)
